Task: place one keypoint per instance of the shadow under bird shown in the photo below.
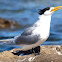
(35, 35)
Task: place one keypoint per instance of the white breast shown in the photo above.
(43, 26)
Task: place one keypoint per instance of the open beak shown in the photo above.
(57, 8)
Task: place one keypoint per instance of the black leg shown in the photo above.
(23, 52)
(36, 50)
(17, 53)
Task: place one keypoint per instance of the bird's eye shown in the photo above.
(51, 10)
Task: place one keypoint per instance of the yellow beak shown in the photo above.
(57, 8)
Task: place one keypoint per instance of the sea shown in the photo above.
(25, 12)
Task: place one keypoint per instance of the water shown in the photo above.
(25, 13)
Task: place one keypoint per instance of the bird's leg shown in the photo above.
(36, 50)
(33, 51)
(19, 51)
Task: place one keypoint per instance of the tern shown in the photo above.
(37, 34)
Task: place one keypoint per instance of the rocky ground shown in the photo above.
(51, 53)
(4, 23)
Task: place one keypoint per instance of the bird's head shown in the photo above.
(49, 10)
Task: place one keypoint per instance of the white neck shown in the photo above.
(43, 25)
(43, 20)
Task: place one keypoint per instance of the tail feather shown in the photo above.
(8, 41)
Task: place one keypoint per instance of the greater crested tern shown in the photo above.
(38, 33)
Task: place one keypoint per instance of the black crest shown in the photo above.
(42, 11)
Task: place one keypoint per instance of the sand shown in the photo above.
(50, 53)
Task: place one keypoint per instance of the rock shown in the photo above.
(59, 49)
(47, 54)
(4, 23)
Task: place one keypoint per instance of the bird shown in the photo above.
(38, 33)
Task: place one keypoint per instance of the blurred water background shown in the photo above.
(25, 13)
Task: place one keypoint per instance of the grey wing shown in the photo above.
(27, 38)
(28, 31)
